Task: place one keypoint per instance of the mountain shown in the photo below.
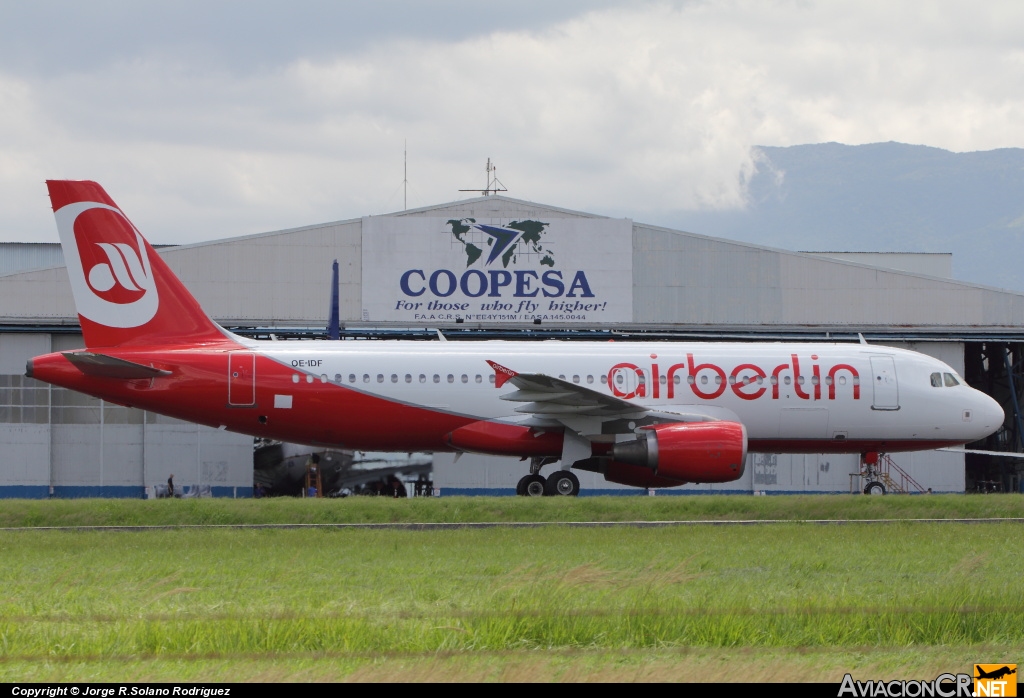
(885, 197)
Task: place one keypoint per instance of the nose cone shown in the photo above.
(987, 415)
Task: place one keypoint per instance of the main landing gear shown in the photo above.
(561, 483)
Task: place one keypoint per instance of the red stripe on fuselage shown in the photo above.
(320, 413)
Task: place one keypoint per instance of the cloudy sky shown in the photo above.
(212, 119)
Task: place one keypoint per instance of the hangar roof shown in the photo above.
(681, 281)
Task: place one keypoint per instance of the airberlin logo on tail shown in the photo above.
(108, 265)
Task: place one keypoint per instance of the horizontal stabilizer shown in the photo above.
(104, 366)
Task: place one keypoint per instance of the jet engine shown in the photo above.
(683, 452)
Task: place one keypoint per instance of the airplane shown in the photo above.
(642, 414)
(995, 673)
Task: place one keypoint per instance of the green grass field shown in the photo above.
(134, 512)
(786, 601)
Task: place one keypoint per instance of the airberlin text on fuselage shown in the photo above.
(747, 381)
(524, 283)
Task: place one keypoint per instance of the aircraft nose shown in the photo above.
(987, 415)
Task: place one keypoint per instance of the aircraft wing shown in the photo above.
(550, 400)
(546, 395)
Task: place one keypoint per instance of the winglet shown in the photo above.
(501, 374)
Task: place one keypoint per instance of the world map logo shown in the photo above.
(507, 243)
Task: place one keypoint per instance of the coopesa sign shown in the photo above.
(473, 283)
(566, 270)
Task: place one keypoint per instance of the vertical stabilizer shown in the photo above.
(124, 292)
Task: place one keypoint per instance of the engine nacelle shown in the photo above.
(635, 476)
(687, 452)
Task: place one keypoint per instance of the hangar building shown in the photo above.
(568, 275)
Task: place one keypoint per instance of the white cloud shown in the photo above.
(636, 110)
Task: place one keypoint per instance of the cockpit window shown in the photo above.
(937, 380)
(951, 380)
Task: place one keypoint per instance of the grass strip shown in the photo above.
(226, 592)
(125, 512)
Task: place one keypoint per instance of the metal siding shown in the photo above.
(281, 279)
(682, 279)
(25, 256)
(25, 449)
(193, 453)
(75, 455)
(17, 349)
(928, 263)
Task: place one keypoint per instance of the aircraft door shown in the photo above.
(883, 381)
(241, 379)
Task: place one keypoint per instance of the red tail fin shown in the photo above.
(125, 294)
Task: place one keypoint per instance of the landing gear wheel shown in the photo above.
(874, 488)
(562, 483)
(521, 485)
(532, 485)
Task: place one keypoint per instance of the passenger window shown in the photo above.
(561, 377)
(799, 380)
(937, 380)
(951, 380)
(575, 379)
(323, 377)
(814, 380)
(295, 378)
(604, 380)
(663, 380)
(437, 378)
(423, 378)
(351, 378)
(465, 378)
(842, 380)
(590, 379)
(828, 380)
(337, 377)
(775, 380)
(366, 377)
(451, 378)
(618, 378)
(691, 380)
(380, 377)
(479, 378)
(490, 378)
(408, 378)
(675, 379)
(394, 377)
(787, 380)
(703, 380)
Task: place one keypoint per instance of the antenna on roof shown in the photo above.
(493, 183)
